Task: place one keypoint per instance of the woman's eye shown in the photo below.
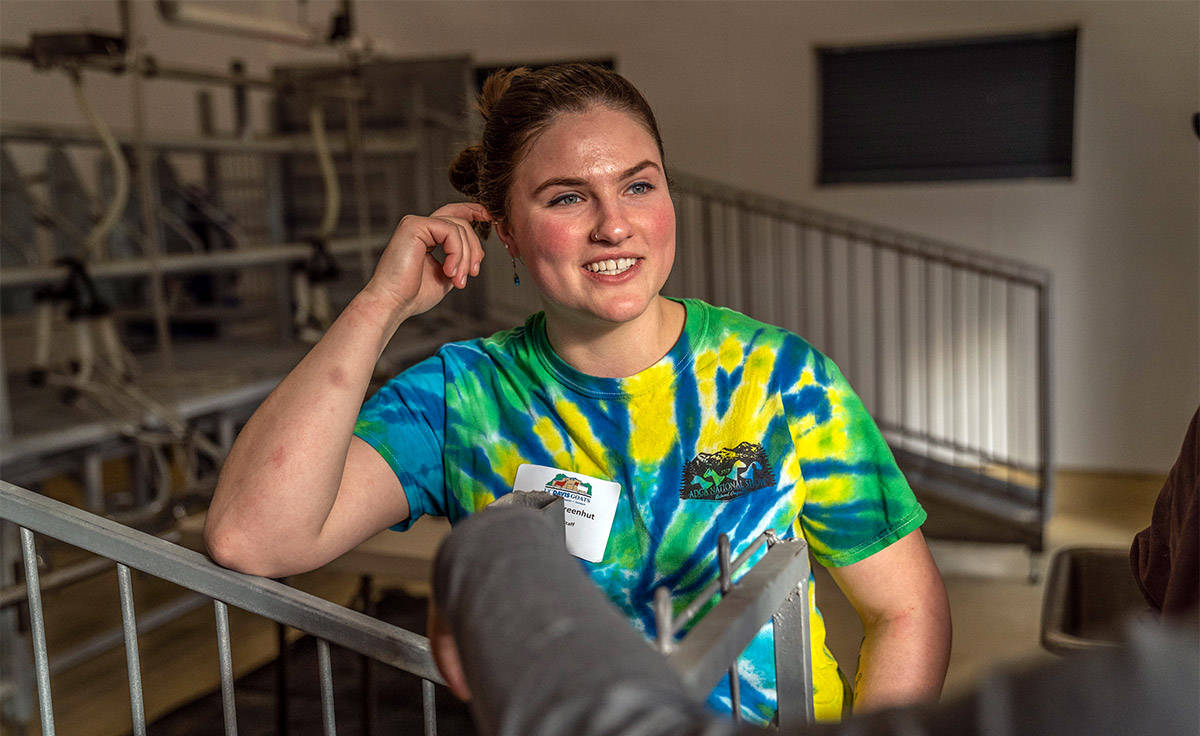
(640, 187)
(565, 199)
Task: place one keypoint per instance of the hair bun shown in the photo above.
(494, 88)
(464, 171)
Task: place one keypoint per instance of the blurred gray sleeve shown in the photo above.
(547, 654)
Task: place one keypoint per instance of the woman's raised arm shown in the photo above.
(298, 489)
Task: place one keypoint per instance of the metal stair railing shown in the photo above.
(949, 349)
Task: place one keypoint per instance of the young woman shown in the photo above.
(662, 422)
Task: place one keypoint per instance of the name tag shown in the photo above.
(590, 504)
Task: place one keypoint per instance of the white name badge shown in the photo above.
(590, 504)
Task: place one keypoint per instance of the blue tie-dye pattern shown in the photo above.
(812, 401)
(425, 418)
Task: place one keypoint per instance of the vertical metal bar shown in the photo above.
(326, 671)
(852, 309)
(735, 690)
(362, 199)
(1045, 410)
(429, 707)
(423, 164)
(779, 314)
(806, 296)
(746, 248)
(93, 481)
(877, 360)
(987, 410)
(33, 590)
(710, 250)
(902, 336)
(927, 368)
(370, 697)
(955, 293)
(793, 661)
(662, 619)
(1010, 371)
(948, 372)
(132, 663)
(282, 727)
(225, 660)
(828, 335)
(148, 190)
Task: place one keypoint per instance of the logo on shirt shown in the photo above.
(728, 474)
(568, 487)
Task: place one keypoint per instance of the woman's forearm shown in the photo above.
(279, 484)
(903, 660)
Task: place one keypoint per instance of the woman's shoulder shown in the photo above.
(513, 343)
(723, 324)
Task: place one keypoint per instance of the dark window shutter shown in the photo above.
(990, 108)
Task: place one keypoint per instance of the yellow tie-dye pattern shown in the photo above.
(505, 458)
(653, 430)
(589, 456)
(730, 353)
(552, 441)
(827, 683)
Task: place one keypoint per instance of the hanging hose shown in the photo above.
(116, 207)
(313, 311)
(333, 194)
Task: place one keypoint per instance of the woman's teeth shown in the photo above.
(612, 266)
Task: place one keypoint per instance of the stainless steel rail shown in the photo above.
(129, 548)
(775, 588)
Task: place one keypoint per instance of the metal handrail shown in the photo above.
(274, 600)
(862, 231)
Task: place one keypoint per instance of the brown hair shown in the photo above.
(518, 105)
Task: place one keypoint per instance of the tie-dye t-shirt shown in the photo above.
(740, 428)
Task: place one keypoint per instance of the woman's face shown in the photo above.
(590, 215)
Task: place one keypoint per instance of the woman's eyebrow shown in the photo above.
(568, 181)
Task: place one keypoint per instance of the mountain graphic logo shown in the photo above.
(728, 474)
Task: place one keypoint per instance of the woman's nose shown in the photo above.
(612, 226)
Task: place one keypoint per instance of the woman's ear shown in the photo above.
(501, 229)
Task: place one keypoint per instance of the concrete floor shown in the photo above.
(996, 609)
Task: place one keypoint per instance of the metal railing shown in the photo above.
(949, 349)
(775, 586)
(131, 549)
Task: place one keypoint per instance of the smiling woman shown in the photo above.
(673, 421)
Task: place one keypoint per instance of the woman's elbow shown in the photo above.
(235, 550)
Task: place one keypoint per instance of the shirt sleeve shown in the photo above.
(405, 423)
(857, 501)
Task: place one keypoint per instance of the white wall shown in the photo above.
(733, 85)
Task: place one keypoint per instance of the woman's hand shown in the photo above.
(409, 279)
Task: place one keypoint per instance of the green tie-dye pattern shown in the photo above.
(465, 420)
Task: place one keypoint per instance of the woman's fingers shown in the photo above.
(410, 276)
(463, 249)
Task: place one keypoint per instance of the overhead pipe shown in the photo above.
(209, 17)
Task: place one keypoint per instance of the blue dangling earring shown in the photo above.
(516, 278)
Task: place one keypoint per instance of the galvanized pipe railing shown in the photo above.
(948, 348)
(132, 549)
